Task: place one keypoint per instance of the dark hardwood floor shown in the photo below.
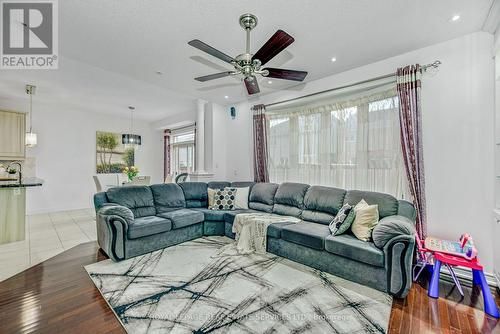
(57, 296)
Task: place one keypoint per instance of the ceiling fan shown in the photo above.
(248, 64)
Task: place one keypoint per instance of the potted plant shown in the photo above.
(131, 172)
(11, 171)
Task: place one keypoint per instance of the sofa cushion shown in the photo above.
(321, 204)
(241, 200)
(195, 194)
(260, 207)
(306, 234)
(291, 194)
(390, 227)
(406, 209)
(213, 215)
(243, 184)
(148, 225)
(289, 199)
(339, 225)
(262, 196)
(183, 217)
(224, 199)
(387, 204)
(229, 215)
(349, 246)
(365, 219)
(139, 199)
(218, 184)
(168, 197)
(274, 230)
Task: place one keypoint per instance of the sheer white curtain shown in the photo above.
(350, 142)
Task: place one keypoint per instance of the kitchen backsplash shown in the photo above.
(29, 166)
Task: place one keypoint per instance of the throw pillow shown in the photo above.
(211, 194)
(224, 199)
(241, 201)
(366, 217)
(390, 227)
(338, 222)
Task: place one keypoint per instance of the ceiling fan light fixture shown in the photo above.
(248, 65)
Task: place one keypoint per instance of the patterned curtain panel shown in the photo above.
(261, 173)
(410, 113)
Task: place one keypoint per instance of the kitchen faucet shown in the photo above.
(19, 170)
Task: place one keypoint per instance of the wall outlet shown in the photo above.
(235, 172)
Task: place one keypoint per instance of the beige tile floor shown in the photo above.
(46, 236)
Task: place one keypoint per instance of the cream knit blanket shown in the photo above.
(251, 230)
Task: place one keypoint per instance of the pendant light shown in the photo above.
(31, 139)
(131, 139)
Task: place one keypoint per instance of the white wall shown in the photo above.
(220, 141)
(65, 155)
(239, 149)
(458, 130)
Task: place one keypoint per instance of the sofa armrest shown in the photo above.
(112, 226)
(398, 262)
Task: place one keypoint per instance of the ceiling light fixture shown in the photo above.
(130, 139)
(270, 82)
(226, 97)
(455, 18)
(159, 72)
(247, 64)
(333, 59)
(31, 139)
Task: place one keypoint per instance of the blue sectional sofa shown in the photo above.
(135, 220)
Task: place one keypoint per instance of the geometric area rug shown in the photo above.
(204, 286)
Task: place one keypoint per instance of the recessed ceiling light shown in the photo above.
(333, 59)
(226, 97)
(159, 72)
(270, 82)
(455, 17)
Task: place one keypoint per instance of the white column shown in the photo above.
(200, 137)
(200, 173)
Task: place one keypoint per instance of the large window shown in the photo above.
(350, 142)
(182, 151)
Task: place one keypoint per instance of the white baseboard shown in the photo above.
(465, 275)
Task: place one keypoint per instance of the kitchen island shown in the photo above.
(13, 208)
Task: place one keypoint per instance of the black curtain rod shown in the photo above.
(424, 68)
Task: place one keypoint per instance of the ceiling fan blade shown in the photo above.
(277, 43)
(212, 76)
(279, 73)
(252, 85)
(210, 50)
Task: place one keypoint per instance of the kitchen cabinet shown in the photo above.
(12, 135)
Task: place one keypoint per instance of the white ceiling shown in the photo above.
(79, 86)
(137, 38)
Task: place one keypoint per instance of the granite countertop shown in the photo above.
(26, 182)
